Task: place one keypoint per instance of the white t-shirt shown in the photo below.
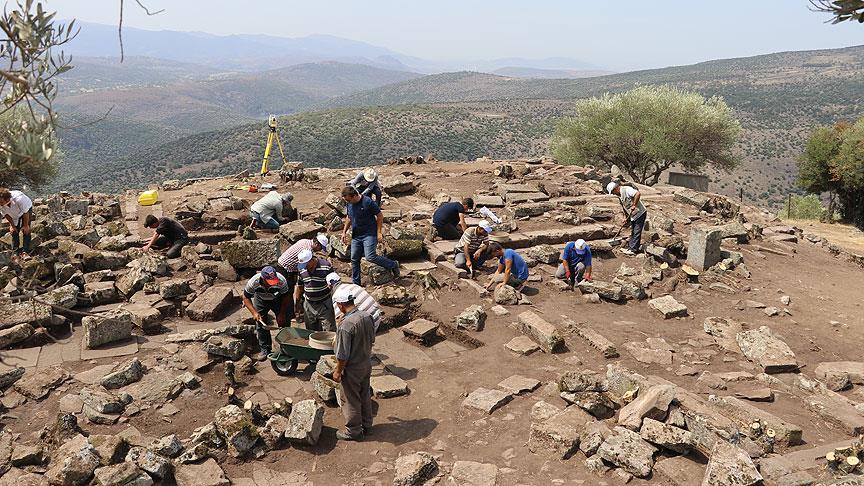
(626, 195)
(18, 205)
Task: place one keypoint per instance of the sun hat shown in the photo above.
(323, 241)
(485, 225)
(268, 275)
(303, 258)
(343, 295)
(288, 197)
(611, 186)
(580, 246)
(370, 174)
(333, 278)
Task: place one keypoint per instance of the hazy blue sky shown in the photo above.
(621, 34)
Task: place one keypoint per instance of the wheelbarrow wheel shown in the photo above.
(284, 368)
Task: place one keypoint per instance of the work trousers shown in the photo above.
(367, 246)
(291, 278)
(320, 315)
(174, 247)
(576, 274)
(636, 227)
(356, 399)
(265, 341)
(461, 262)
(512, 281)
(272, 224)
(448, 231)
(17, 246)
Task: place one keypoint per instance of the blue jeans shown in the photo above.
(367, 246)
(272, 224)
(636, 227)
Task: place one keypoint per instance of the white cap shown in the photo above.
(323, 241)
(288, 197)
(485, 225)
(303, 258)
(370, 174)
(580, 246)
(342, 295)
(611, 186)
(333, 277)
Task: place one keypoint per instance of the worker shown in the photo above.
(362, 299)
(267, 291)
(17, 208)
(448, 221)
(354, 339)
(287, 263)
(312, 287)
(634, 213)
(473, 248)
(365, 221)
(366, 183)
(267, 211)
(512, 269)
(169, 234)
(575, 262)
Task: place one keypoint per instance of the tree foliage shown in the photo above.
(833, 161)
(29, 64)
(841, 10)
(649, 129)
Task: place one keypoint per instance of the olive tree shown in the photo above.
(841, 10)
(648, 130)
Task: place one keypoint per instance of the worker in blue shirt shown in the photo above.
(575, 262)
(512, 269)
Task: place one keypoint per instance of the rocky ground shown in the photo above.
(727, 354)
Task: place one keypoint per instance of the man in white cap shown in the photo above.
(575, 262)
(634, 213)
(362, 299)
(473, 248)
(265, 212)
(366, 183)
(287, 265)
(354, 339)
(312, 284)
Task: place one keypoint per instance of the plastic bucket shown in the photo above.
(323, 340)
(148, 198)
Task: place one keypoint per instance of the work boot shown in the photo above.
(396, 273)
(262, 356)
(342, 435)
(367, 430)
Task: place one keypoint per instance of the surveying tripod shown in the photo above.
(272, 135)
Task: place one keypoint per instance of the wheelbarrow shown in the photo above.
(294, 347)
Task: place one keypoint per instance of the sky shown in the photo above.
(618, 35)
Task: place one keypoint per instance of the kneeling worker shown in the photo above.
(575, 262)
(317, 305)
(473, 248)
(512, 269)
(366, 183)
(354, 339)
(169, 234)
(448, 221)
(267, 291)
(265, 212)
(362, 299)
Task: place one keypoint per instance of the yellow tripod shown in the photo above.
(273, 135)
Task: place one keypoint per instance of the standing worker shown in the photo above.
(366, 183)
(312, 287)
(169, 234)
(575, 262)
(512, 269)
(362, 299)
(634, 213)
(17, 208)
(287, 265)
(448, 221)
(473, 248)
(267, 291)
(365, 221)
(354, 339)
(265, 212)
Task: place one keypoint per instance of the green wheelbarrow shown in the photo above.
(294, 347)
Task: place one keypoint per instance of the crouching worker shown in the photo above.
(317, 306)
(473, 248)
(448, 221)
(265, 212)
(362, 299)
(354, 339)
(169, 234)
(366, 183)
(575, 262)
(512, 269)
(265, 292)
(17, 208)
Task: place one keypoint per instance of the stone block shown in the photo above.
(560, 434)
(486, 400)
(414, 469)
(522, 345)
(595, 339)
(472, 318)
(518, 384)
(667, 436)
(542, 332)
(767, 350)
(730, 465)
(14, 313)
(652, 403)
(253, 254)
(388, 386)
(98, 331)
(627, 450)
(297, 230)
(15, 335)
(703, 249)
(211, 304)
(668, 307)
(305, 423)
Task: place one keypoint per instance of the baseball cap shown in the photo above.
(580, 246)
(288, 197)
(303, 258)
(333, 277)
(485, 225)
(370, 174)
(323, 241)
(343, 295)
(611, 186)
(268, 275)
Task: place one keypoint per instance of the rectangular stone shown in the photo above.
(560, 434)
(210, 305)
(532, 209)
(542, 332)
(103, 330)
(680, 471)
(594, 338)
(508, 188)
(668, 307)
(254, 254)
(767, 350)
(853, 369)
(744, 414)
(481, 200)
(34, 313)
(486, 400)
(703, 249)
(556, 236)
(514, 198)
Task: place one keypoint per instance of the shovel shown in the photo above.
(615, 240)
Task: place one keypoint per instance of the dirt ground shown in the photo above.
(825, 324)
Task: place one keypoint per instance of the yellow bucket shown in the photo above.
(148, 198)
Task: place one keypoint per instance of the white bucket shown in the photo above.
(323, 340)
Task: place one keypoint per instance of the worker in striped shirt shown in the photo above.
(362, 299)
(312, 287)
(473, 248)
(287, 265)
